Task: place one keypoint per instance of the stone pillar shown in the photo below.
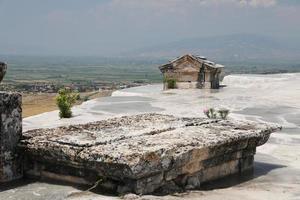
(10, 134)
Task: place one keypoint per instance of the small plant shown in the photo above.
(171, 82)
(223, 113)
(211, 113)
(65, 100)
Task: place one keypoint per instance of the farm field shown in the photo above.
(34, 104)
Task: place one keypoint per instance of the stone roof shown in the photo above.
(200, 59)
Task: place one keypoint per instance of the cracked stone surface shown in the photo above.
(145, 152)
(10, 134)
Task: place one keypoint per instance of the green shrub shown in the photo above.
(223, 113)
(65, 100)
(171, 82)
(211, 113)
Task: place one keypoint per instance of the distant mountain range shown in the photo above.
(240, 47)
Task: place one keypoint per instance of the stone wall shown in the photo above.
(10, 135)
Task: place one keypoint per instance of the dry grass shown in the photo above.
(34, 104)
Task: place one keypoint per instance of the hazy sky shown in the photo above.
(108, 27)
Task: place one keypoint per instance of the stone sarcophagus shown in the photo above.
(10, 135)
(144, 153)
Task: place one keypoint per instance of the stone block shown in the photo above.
(220, 171)
(144, 153)
(149, 184)
(193, 182)
(246, 164)
(10, 135)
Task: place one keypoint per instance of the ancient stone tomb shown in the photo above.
(191, 71)
(144, 153)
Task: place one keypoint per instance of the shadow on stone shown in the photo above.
(15, 184)
(82, 189)
(260, 169)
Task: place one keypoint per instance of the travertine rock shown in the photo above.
(10, 134)
(146, 152)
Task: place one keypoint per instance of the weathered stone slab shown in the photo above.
(10, 134)
(145, 152)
